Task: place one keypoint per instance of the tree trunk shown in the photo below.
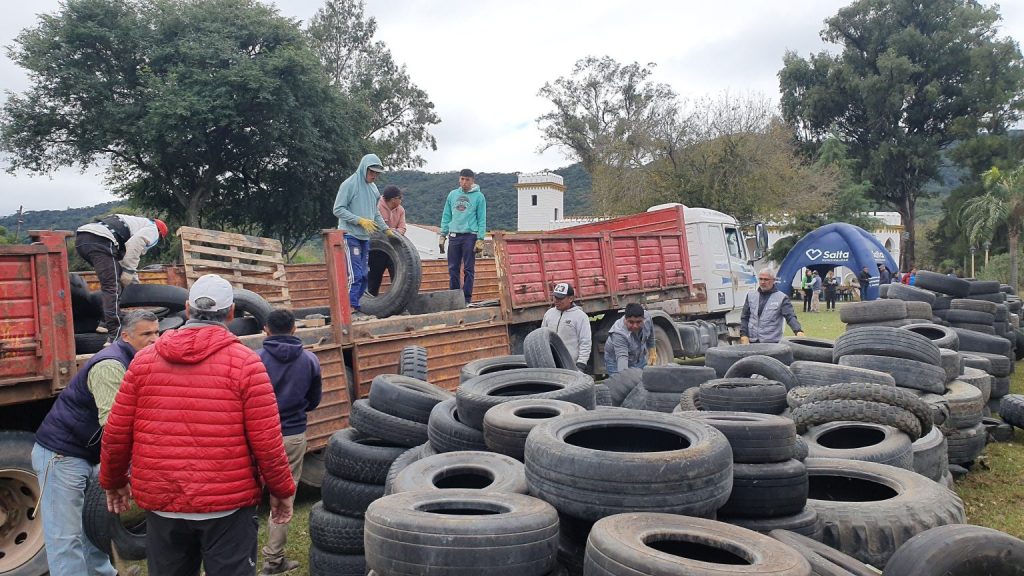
(192, 210)
(1013, 236)
(906, 210)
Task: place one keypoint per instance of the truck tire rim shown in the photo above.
(21, 530)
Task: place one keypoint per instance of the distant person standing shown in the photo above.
(864, 279)
(831, 287)
(884, 277)
(764, 310)
(113, 247)
(356, 209)
(463, 225)
(805, 286)
(571, 324)
(815, 291)
(391, 209)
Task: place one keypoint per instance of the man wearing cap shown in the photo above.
(197, 425)
(356, 209)
(764, 310)
(391, 209)
(463, 225)
(113, 247)
(571, 324)
(630, 342)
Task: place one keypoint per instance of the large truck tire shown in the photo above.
(493, 364)
(438, 301)
(722, 358)
(959, 550)
(543, 348)
(21, 543)
(406, 282)
(824, 560)
(474, 397)
(464, 470)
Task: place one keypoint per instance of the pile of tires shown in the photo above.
(660, 387)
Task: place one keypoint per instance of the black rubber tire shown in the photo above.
(408, 457)
(466, 470)
(815, 413)
(348, 498)
(872, 311)
(617, 546)
(491, 365)
(951, 362)
(881, 394)
(994, 297)
(405, 397)
(950, 285)
(373, 422)
(980, 380)
(864, 441)
(763, 366)
(985, 329)
(335, 533)
(976, 306)
(883, 324)
(999, 365)
(907, 373)
(412, 362)
(137, 295)
(637, 398)
(507, 425)
(170, 323)
(959, 550)
(584, 464)
(252, 304)
(622, 383)
(823, 374)
(965, 404)
(824, 560)
(971, 341)
(964, 445)
(509, 535)
(323, 563)
(942, 336)
(474, 397)
(921, 311)
(754, 438)
(355, 456)
(930, 455)
(1011, 409)
(1000, 387)
(1002, 313)
(690, 400)
(767, 490)
(447, 433)
(314, 468)
(543, 348)
(721, 358)
(810, 349)
(909, 293)
(870, 509)
(89, 342)
(955, 316)
(244, 326)
(602, 395)
(983, 287)
(406, 282)
(882, 341)
(436, 301)
(805, 522)
(103, 528)
(744, 395)
(941, 303)
(972, 360)
(675, 378)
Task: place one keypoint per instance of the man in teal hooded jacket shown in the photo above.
(464, 223)
(356, 209)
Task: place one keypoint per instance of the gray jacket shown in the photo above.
(764, 324)
(625, 349)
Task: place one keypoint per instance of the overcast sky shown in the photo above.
(483, 61)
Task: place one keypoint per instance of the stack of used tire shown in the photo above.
(358, 459)
(748, 378)
(167, 302)
(660, 387)
(543, 348)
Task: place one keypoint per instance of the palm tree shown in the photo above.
(1001, 205)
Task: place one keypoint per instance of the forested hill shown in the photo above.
(424, 195)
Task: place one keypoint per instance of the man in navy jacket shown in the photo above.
(295, 374)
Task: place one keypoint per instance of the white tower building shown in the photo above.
(541, 201)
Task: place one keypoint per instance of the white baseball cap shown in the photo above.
(211, 293)
(562, 289)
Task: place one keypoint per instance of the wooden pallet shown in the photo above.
(248, 262)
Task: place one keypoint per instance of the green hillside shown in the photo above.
(69, 219)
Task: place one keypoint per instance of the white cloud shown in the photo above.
(483, 61)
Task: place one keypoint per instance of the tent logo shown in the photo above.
(813, 253)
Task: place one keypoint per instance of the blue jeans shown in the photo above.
(359, 256)
(63, 479)
(461, 255)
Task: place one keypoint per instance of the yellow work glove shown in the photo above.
(369, 225)
(652, 356)
(440, 243)
(744, 340)
(390, 232)
(800, 333)
(479, 246)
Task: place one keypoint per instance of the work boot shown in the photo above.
(285, 565)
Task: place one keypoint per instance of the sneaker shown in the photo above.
(284, 566)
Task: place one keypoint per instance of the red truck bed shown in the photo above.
(637, 258)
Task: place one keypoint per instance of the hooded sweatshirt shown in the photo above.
(295, 375)
(465, 212)
(357, 199)
(197, 422)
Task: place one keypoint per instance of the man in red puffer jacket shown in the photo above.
(196, 424)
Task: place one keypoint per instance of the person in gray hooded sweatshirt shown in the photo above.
(631, 342)
(571, 324)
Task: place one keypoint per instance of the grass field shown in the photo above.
(993, 492)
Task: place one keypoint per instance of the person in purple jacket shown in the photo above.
(295, 375)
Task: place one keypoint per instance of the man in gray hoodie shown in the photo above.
(631, 342)
(571, 324)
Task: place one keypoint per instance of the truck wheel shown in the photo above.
(406, 281)
(663, 344)
(21, 533)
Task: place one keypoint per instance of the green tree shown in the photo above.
(1001, 206)
(213, 112)
(911, 79)
(401, 113)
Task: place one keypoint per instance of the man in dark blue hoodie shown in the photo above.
(295, 374)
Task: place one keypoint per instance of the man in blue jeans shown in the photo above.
(463, 225)
(356, 209)
(67, 450)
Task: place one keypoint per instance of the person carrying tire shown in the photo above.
(571, 324)
(463, 225)
(196, 423)
(391, 209)
(764, 310)
(113, 247)
(295, 375)
(356, 209)
(631, 342)
(67, 449)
